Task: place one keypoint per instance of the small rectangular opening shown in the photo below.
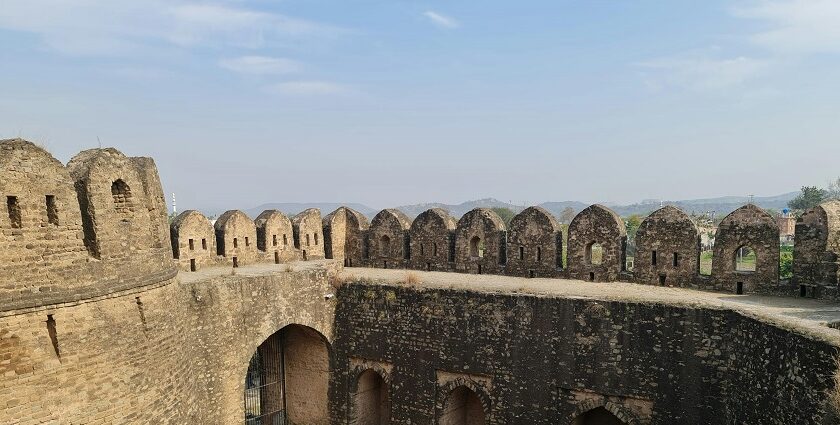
(276, 257)
(385, 264)
(662, 280)
(53, 333)
(273, 240)
(192, 265)
(204, 244)
(591, 276)
(52, 210)
(192, 245)
(434, 249)
(739, 288)
(479, 269)
(532, 274)
(653, 258)
(235, 262)
(14, 211)
(247, 242)
(235, 242)
(539, 254)
(422, 250)
(285, 241)
(428, 266)
(803, 291)
(676, 259)
(315, 236)
(304, 255)
(521, 252)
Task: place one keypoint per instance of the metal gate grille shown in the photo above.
(265, 401)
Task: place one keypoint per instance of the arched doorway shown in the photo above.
(476, 247)
(372, 401)
(288, 379)
(462, 407)
(597, 416)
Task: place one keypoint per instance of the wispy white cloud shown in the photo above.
(702, 72)
(108, 27)
(441, 20)
(307, 88)
(795, 26)
(261, 65)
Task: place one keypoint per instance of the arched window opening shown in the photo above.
(462, 407)
(745, 259)
(288, 379)
(372, 402)
(476, 247)
(121, 194)
(599, 416)
(384, 246)
(594, 254)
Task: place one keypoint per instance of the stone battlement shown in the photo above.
(99, 224)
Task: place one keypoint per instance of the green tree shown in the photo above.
(810, 197)
(632, 224)
(786, 262)
(505, 213)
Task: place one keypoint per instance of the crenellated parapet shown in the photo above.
(93, 227)
(387, 240)
(309, 234)
(747, 229)
(816, 249)
(344, 231)
(597, 246)
(535, 244)
(99, 225)
(432, 240)
(667, 249)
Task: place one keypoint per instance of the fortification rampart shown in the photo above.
(98, 326)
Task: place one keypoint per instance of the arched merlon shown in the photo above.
(344, 231)
(749, 227)
(432, 238)
(816, 247)
(667, 249)
(599, 225)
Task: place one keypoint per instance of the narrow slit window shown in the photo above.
(235, 242)
(676, 259)
(539, 254)
(273, 240)
(192, 245)
(247, 242)
(315, 235)
(653, 258)
(285, 240)
(52, 210)
(204, 244)
(14, 211)
(521, 252)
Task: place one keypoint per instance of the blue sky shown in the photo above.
(396, 102)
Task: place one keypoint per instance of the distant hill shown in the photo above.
(721, 206)
(457, 210)
(292, 208)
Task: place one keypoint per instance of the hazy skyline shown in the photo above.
(399, 102)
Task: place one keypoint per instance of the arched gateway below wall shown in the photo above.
(288, 379)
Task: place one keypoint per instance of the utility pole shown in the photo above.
(174, 205)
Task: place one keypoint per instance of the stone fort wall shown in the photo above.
(543, 360)
(97, 325)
